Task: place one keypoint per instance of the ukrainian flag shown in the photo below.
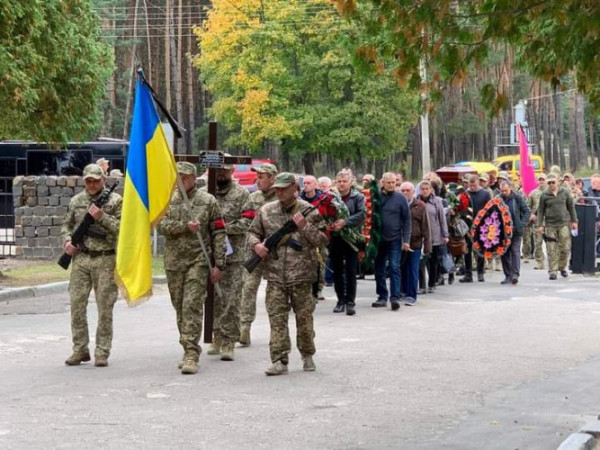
(149, 181)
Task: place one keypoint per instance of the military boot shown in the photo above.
(227, 352)
(245, 336)
(309, 364)
(101, 361)
(190, 367)
(278, 368)
(215, 347)
(77, 358)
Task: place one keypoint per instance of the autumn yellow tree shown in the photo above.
(283, 72)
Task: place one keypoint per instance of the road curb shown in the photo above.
(48, 289)
(587, 438)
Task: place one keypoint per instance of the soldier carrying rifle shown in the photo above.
(290, 270)
(93, 264)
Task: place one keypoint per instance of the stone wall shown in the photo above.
(40, 207)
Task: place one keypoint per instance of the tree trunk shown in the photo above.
(309, 163)
(132, 73)
(190, 84)
(168, 54)
(573, 145)
(580, 130)
(149, 61)
(592, 144)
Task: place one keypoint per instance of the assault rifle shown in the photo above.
(82, 229)
(273, 241)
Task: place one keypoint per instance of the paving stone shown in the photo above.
(51, 181)
(42, 190)
(55, 231)
(29, 231)
(67, 191)
(72, 181)
(39, 210)
(31, 201)
(43, 201)
(56, 190)
(47, 220)
(61, 211)
(64, 201)
(43, 231)
(61, 181)
(36, 221)
(54, 200)
(57, 220)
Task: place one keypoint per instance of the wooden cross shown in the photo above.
(213, 160)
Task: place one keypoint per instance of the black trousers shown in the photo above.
(344, 261)
(433, 266)
(469, 260)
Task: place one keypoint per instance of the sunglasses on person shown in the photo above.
(551, 182)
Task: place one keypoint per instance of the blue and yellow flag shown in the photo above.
(149, 181)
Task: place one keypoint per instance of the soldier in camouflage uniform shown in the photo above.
(291, 274)
(185, 264)
(265, 177)
(533, 201)
(555, 212)
(232, 198)
(93, 266)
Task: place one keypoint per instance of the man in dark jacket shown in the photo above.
(395, 237)
(520, 213)
(344, 258)
(478, 198)
(420, 238)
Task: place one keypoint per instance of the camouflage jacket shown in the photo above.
(255, 201)
(182, 248)
(533, 200)
(232, 199)
(291, 266)
(102, 234)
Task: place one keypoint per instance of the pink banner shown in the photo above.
(528, 182)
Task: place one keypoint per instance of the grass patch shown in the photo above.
(33, 274)
(19, 273)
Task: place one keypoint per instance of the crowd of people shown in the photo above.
(425, 237)
(328, 232)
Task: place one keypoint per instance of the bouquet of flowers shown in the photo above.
(332, 209)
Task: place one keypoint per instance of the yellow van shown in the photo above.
(512, 165)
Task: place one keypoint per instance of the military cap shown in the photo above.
(284, 179)
(568, 175)
(93, 171)
(541, 176)
(116, 173)
(503, 175)
(484, 177)
(267, 168)
(186, 168)
(552, 177)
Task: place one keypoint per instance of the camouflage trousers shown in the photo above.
(559, 252)
(249, 292)
(530, 235)
(97, 273)
(188, 293)
(280, 299)
(226, 323)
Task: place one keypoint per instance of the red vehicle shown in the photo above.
(244, 175)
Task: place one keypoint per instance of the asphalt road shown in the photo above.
(470, 367)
